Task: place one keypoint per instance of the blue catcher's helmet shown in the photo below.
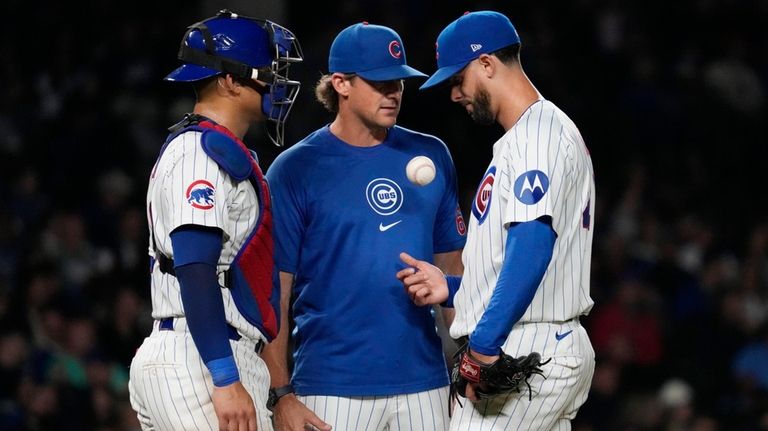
(246, 48)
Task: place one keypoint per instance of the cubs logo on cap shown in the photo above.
(371, 51)
(394, 49)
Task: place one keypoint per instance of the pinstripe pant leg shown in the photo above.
(421, 411)
(255, 378)
(557, 396)
(169, 386)
(351, 413)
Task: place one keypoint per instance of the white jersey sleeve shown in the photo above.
(195, 187)
(538, 165)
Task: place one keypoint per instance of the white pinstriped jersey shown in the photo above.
(540, 167)
(188, 187)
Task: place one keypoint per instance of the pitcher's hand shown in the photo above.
(424, 283)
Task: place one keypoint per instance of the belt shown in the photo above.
(166, 324)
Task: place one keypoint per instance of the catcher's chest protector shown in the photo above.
(251, 277)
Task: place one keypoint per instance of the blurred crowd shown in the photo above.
(671, 100)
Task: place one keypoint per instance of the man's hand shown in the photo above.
(485, 359)
(292, 415)
(424, 283)
(477, 376)
(234, 408)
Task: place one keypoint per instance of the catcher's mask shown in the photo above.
(247, 48)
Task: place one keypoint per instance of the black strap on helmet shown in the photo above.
(209, 59)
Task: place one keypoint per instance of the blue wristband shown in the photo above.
(454, 282)
(223, 371)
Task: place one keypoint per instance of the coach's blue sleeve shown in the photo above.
(528, 252)
(196, 252)
(288, 220)
(449, 231)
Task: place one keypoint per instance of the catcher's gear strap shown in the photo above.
(165, 263)
(225, 65)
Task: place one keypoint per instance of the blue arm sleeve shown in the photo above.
(528, 252)
(196, 244)
(454, 282)
(196, 252)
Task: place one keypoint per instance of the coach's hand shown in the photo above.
(234, 408)
(292, 415)
(424, 283)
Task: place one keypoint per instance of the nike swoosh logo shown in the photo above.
(386, 227)
(563, 335)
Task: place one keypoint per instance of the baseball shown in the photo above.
(420, 170)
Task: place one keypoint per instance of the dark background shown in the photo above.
(670, 97)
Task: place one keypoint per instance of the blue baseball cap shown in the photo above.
(466, 38)
(371, 51)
